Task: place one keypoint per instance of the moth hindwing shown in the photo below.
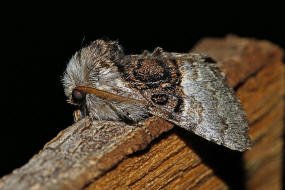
(185, 89)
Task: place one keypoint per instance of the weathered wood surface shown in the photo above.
(176, 159)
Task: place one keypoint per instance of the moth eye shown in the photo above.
(78, 96)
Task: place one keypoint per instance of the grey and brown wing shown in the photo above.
(190, 91)
(211, 106)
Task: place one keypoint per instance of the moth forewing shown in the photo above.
(218, 114)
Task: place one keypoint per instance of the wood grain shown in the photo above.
(156, 155)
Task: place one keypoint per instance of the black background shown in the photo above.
(39, 39)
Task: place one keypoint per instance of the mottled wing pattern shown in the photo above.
(190, 91)
(213, 106)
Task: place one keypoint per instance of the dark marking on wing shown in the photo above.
(158, 80)
(160, 99)
(151, 72)
(178, 105)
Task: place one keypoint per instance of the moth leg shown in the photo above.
(78, 115)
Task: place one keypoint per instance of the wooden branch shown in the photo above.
(176, 159)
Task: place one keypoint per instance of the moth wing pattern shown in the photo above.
(212, 105)
(190, 91)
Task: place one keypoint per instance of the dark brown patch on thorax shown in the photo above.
(157, 79)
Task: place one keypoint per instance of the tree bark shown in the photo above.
(156, 155)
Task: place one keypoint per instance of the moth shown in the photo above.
(186, 89)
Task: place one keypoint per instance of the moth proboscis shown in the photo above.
(186, 89)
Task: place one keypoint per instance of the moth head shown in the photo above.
(84, 69)
(78, 96)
